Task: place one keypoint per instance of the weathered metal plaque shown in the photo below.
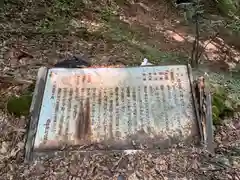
(119, 108)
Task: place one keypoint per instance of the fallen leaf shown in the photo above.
(4, 147)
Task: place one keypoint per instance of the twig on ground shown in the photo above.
(12, 80)
(117, 163)
(211, 40)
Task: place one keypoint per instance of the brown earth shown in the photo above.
(35, 34)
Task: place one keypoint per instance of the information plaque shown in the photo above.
(116, 108)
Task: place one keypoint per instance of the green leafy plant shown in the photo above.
(221, 105)
(228, 7)
(19, 106)
(107, 14)
(235, 25)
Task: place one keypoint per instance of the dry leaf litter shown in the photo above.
(178, 162)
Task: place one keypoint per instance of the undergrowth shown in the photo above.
(225, 97)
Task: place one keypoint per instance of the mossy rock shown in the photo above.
(19, 106)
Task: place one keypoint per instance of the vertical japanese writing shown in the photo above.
(93, 110)
(78, 80)
(70, 97)
(166, 75)
(89, 78)
(134, 97)
(152, 91)
(140, 106)
(165, 108)
(111, 112)
(83, 78)
(169, 103)
(60, 126)
(155, 75)
(47, 126)
(105, 99)
(172, 76)
(53, 90)
(149, 76)
(75, 107)
(129, 110)
(64, 98)
(159, 101)
(161, 75)
(146, 109)
(144, 76)
(99, 109)
(117, 110)
(56, 110)
(177, 117)
(122, 108)
(157, 94)
(181, 94)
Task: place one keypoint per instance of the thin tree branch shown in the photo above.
(211, 40)
(12, 80)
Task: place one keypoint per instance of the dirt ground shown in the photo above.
(41, 33)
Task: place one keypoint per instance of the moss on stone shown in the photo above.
(19, 106)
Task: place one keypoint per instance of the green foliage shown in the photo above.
(84, 34)
(58, 15)
(235, 25)
(157, 57)
(221, 105)
(66, 8)
(19, 106)
(107, 14)
(53, 24)
(228, 7)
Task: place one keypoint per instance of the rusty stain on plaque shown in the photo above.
(116, 106)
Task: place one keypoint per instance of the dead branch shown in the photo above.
(12, 80)
(211, 40)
